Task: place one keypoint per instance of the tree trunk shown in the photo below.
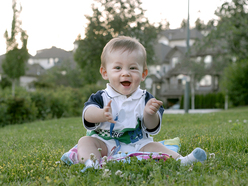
(192, 92)
(226, 102)
(13, 87)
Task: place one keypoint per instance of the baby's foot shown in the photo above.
(89, 164)
(196, 155)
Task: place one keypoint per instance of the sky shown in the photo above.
(58, 22)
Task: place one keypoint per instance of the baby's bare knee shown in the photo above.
(85, 140)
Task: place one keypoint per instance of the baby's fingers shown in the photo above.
(109, 118)
(109, 104)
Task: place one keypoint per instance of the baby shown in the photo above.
(122, 117)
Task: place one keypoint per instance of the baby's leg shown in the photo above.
(196, 155)
(88, 145)
(158, 147)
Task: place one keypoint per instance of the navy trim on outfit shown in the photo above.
(95, 99)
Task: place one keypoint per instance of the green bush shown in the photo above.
(4, 118)
(41, 101)
(207, 101)
(234, 82)
(20, 110)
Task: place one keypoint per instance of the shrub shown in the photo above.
(235, 82)
(20, 110)
(207, 101)
(4, 118)
(41, 102)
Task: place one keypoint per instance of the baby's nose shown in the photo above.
(125, 72)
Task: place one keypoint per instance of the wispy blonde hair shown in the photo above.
(126, 44)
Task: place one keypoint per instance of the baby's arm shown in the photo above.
(97, 115)
(151, 117)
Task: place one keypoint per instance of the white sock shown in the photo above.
(196, 155)
(90, 163)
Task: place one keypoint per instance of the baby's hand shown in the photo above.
(107, 112)
(152, 106)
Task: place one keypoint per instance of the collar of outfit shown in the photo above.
(136, 95)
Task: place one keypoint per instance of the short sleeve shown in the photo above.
(94, 100)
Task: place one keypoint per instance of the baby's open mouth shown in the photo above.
(126, 83)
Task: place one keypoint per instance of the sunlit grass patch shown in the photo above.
(30, 153)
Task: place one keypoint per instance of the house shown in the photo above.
(43, 60)
(170, 72)
(53, 56)
(31, 74)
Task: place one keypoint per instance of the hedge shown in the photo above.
(206, 101)
(43, 104)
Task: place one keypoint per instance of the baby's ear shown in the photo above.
(144, 74)
(103, 72)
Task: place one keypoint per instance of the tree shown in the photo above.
(112, 18)
(229, 41)
(184, 23)
(15, 59)
(199, 24)
(235, 82)
(230, 33)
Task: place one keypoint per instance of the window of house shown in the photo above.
(208, 60)
(174, 61)
(198, 59)
(163, 40)
(50, 61)
(173, 80)
(216, 81)
(31, 61)
(158, 68)
(206, 81)
(179, 81)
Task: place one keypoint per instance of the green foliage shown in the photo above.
(184, 23)
(234, 82)
(229, 36)
(223, 135)
(43, 104)
(206, 101)
(4, 83)
(19, 110)
(14, 63)
(4, 118)
(65, 74)
(112, 18)
(199, 24)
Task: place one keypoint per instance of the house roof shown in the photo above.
(31, 70)
(161, 50)
(34, 70)
(181, 34)
(177, 70)
(53, 52)
(181, 49)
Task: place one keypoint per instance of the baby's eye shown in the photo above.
(133, 68)
(117, 68)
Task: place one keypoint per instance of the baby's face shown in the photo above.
(124, 71)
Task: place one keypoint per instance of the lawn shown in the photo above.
(30, 153)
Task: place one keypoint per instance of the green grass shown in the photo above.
(29, 153)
